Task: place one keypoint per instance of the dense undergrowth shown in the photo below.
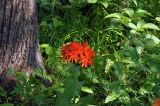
(125, 37)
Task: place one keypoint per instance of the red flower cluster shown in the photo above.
(156, 102)
(78, 53)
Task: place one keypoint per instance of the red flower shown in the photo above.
(87, 55)
(78, 53)
(156, 102)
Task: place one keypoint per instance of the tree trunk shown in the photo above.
(19, 46)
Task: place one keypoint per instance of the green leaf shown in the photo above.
(72, 87)
(118, 70)
(44, 45)
(133, 31)
(155, 67)
(151, 26)
(125, 21)
(49, 50)
(129, 11)
(86, 89)
(91, 1)
(158, 19)
(104, 3)
(131, 52)
(135, 2)
(112, 96)
(141, 13)
(114, 15)
(95, 81)
(154, 38)
(140, 25)
(131, 25)
(149, 43)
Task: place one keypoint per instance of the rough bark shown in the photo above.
(19, 47)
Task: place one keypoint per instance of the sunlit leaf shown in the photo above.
(151, 26)
(131, 25)
(114, 15)
(104, 3)
(141, 13)
(112, 96)
(158, 19)
(44, 45)
(154, 38)
(86, 89)
(129, 11)
(140, 25)
(91, 1)
(49, 50)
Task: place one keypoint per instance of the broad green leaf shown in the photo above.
(95, 80)
(49, 50)
(71, 84)
(104, 3)
(149, 43)
(91, 1)
(151, 26)
(125, 21)
(72, 87)
(140, 25)
(114, 15)
(141, 13)
(86, 89)
(131, 25)
(131, 52)
(156, 40)
(44, 45)
(129, 11)
(111, 97)
(155, 67)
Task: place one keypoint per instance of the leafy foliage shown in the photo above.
(126, 71)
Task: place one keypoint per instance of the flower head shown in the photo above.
(78, 53)
(87, 55)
